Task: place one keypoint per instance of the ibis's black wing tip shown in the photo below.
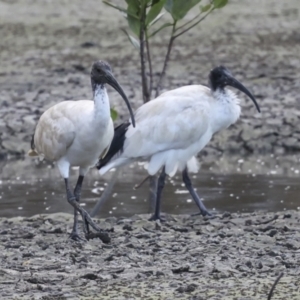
(116, 145)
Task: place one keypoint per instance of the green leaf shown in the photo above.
(156, 19)
(220, 3)
(145, 2)
(205, 8)
(179, 8)
(134, 25)
(133, 8)
(113, 114)
(159, 29)
(154, 11)
(133, 41)
(133, 15)
(121, 9)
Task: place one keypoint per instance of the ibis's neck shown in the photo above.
(225, 96)
(101, 100)
(226, 109)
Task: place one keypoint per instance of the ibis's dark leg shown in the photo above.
(160, 186)
(187, 181)
(152, 191)
(77, 193)
(87, 220)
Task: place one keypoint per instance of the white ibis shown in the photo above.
(174, 127)
(78, 133)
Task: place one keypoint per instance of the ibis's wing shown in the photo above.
(175, 120)
(55, 132)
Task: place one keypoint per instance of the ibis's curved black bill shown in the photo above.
(110, 79)
(235, 83)
(101, 73)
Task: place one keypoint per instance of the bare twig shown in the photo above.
(190, 27)
(187, 23)
(138, 185)
(274, 285)
(167, 58)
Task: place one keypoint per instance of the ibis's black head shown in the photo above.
(220, 76)
(101, 73)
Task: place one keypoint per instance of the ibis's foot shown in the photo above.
(75, 236)
(159, 217)
(102, 235)
(87, 222)
(204, 213)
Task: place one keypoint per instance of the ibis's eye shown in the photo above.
(218, 76)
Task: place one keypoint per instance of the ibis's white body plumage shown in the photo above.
(171, 129)
(78, 133)
(75, 133)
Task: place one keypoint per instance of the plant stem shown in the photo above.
(188, 22)
(167, 58)
(150, 67)
(146, 97)
(172, 38)
(190, 27)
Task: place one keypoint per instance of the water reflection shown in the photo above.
(228, 184)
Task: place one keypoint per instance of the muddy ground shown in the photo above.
(231, 256)
(47, 48)
(46, 51)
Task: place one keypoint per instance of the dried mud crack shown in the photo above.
(232, 256)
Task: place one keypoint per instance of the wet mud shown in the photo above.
(231, 256)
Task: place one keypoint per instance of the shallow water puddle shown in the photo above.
(229, 184)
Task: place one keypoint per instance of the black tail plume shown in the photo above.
(116, 144)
